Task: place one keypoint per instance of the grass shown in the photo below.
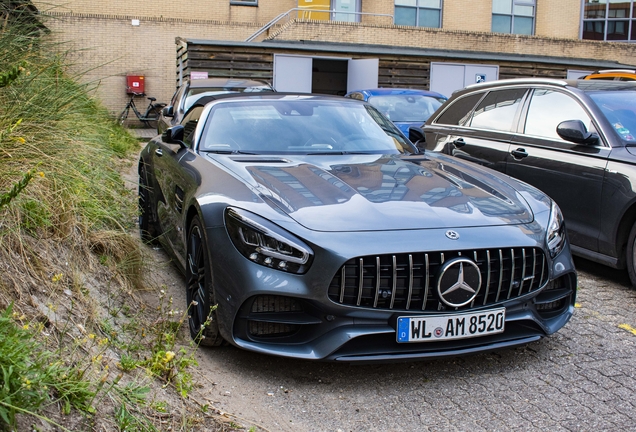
(78, 348)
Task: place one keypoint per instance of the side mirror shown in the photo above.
(416, 135)
(168, 111)
(174, 135)
(576, 132)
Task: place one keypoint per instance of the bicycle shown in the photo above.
(149, 118)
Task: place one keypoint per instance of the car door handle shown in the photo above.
(520, 153)
(459, 142)
(159, 152)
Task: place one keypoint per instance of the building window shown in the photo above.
(419, 13)
(244, 2)
(513, 16)
(610, 20)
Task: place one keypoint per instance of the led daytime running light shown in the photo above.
(269, 243)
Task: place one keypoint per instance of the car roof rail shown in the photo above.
(532, 80)
(614, 71)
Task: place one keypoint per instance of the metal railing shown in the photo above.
(305, 13)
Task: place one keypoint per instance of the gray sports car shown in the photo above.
(320, 232)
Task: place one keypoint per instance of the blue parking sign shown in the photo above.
(480, 78)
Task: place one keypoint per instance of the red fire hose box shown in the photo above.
(134, 84)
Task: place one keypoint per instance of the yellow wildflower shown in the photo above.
(41, 174)
(169, 356)
(91, 336)
(57, 277)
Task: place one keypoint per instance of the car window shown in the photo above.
(406, 108)
(619, 107)
(302, 127)
(195, 94)
(189, 123)
(548, 108)
(498, 109)
(458, 113)
(177, 98)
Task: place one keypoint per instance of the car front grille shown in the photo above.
(408, 282)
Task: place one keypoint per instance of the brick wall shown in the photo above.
(109, 48)
(216, 10)
(560, 19)
(456, 40)
(475, 15)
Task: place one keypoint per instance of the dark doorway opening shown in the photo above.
(329, 76)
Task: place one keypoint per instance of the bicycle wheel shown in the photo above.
(152, 115)
(123, 116)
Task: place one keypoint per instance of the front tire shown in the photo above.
(631, 256)
(199, 289)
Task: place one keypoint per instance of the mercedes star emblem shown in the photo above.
(453, 235)
(458, 282)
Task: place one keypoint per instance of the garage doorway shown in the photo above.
(326, 75)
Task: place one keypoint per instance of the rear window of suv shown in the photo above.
(498, 109)
(458, 113)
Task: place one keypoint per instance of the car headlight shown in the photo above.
(555, 237)
(267, 244)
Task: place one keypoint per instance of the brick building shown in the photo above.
(439, 44)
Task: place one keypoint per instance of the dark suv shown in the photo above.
(573, 139)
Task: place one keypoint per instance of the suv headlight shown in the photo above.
(555, 237)
(267, 244)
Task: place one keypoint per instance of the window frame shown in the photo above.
(606, 20)
(512, 15)
(417, 9)
(243, 2)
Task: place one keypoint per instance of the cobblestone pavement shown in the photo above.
(580, 379)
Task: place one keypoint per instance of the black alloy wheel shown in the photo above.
(199, 290)
(631, 256)
(147, 230)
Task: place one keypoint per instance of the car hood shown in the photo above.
(375, 192)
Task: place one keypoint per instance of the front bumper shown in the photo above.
(303, 322)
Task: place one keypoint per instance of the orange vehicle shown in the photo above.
(613, 74)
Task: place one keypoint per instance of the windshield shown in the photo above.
(300, 126)
(406, 108)
(197, 93)
(619, 107)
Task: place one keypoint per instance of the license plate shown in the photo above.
(450, 326)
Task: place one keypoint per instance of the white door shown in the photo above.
(346, 6)
(448, 77)
(292, 73)
(362, 74)
(480, 73)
